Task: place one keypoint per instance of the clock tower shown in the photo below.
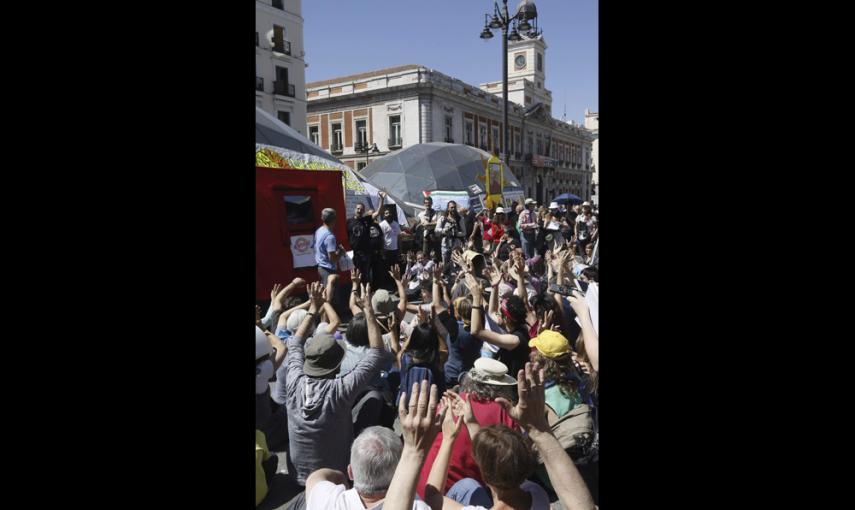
(527, 59)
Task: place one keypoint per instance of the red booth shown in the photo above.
(288, 205)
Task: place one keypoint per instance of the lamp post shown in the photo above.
(365, 149)
(503, 20)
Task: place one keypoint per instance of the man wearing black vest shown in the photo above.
(358, 235)
(427, 222)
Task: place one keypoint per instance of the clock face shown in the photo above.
(520, 61)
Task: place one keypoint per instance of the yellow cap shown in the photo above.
(551, 344)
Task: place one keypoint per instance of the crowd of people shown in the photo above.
(425, 397)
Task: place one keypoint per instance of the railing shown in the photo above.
(337, 149)
(284, 88)
(282, 47)
(395, 142)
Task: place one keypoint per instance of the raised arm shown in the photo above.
(278, 348)
(316, 300)
(591, 339)
(395, 273)
(437, 292)
(420, 425)
(530, 414)
(283, 319)
(328, 296)
(435, 487)
(379, 210)
(375, 336)
(356, 278)
(332, 317)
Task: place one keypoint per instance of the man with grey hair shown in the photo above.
(373, 459)
(327, 250)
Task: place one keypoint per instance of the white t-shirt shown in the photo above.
(328, 496)
(539, 498)
(390, 234)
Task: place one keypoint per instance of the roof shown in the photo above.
(369, 74)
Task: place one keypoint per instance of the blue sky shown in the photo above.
(344, 37)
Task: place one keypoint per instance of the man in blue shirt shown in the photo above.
(327, 252)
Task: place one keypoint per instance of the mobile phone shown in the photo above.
(564, 290)
(582, 286)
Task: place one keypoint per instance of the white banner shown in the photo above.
(441, 199)
(513, 196)
(303, 250)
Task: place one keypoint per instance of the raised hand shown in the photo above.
(419, 421)
(422, 315)
(395, 272)
(298, 282)
(460, 407)
(452, 423)
(273, 293)
(530, 411)
(363, 300)
(355, 276)
(316, 294)
(495, 277)
(578, 303)
(471, 283)
(546, 323)
(437, 272)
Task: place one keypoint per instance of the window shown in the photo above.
(482, 131)
(314, 135)
(497, 144)
(278, 4)
(360, 165)
(298, 210)
(539, 64)
(256, 38)
(539, 145)
(284, 117)
(530, 147)
(517, 142)
(281, 85)
(361, 133)
(279, 38)
(538, 85)
(469, 132)
(336, 132)
(259, 83)
(449, 129)
(395, 131)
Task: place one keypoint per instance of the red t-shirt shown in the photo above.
(462, 464)
(492, 231)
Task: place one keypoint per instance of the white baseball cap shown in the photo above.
(553, 205)
(529, 201)
(500, 210)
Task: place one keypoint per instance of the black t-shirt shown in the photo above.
(357, 233)
(375, 238)
(517, 358)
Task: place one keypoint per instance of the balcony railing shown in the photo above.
(518, 156)
(282, 47)
(337, 149)
(528, 157)
(395, 142)
(259, 83)
(284, 88)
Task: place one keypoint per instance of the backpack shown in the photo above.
(574, 431)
